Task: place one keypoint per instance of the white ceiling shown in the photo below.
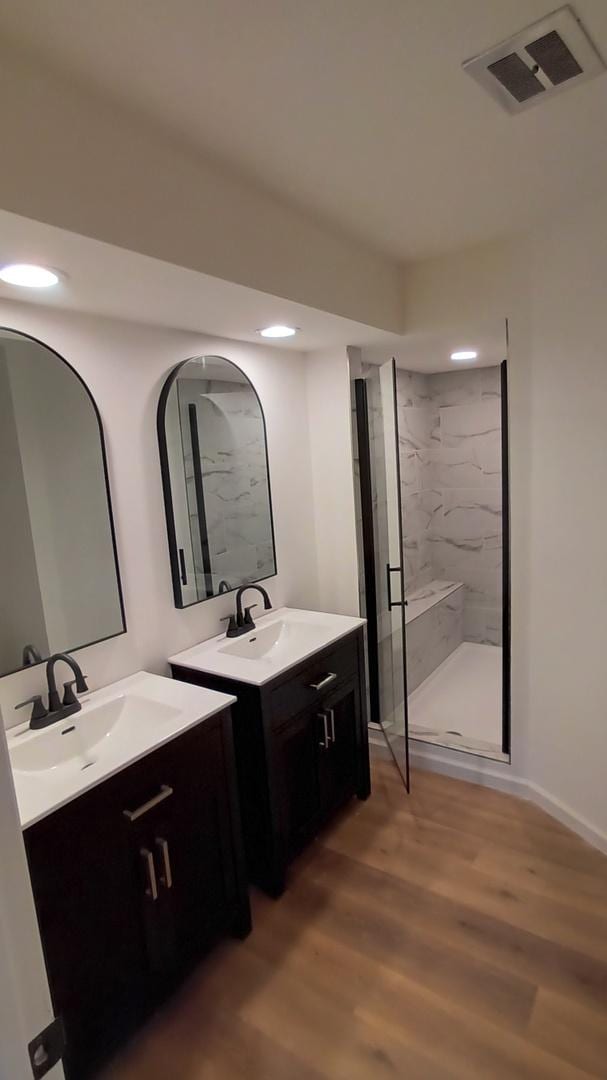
(431, 351)
(356, 110)
(107, 280)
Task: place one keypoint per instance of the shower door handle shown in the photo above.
(393, 603)
(182, 569)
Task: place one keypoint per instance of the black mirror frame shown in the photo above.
(106, 477)
(166, 479)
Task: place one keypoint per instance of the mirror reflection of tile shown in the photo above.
(212, 431)
(235, 480)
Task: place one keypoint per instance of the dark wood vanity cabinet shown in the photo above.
(301, 752)
(133, 882)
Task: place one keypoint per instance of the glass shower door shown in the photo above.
(382, 535)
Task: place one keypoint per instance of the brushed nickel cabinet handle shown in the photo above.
(325, 743)
(163, 794)
(332, 717)
(324, 682)
(163, 847)
(152, 889)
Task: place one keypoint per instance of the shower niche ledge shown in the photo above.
(435, 627)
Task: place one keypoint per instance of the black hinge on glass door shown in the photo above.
(47, 1048)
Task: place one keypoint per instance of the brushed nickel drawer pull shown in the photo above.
(163, 794)
(163, 847)
(324, 682)
(152, 889)
(324, 744)
(332, 717)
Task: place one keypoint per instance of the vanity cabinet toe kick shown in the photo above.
(302, 751)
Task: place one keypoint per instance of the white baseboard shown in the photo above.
(477, 770)
(567, 816)
(498, 775)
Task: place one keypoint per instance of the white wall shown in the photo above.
(333, 510)
(115, 177)
(125, 366)
(567, 712)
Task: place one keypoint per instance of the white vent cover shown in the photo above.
(536, 63)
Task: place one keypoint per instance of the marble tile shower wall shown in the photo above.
(450, 450)
(417, 437)
(235, 482)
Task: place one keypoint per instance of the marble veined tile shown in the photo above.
(454, 559)
(265, 560)
(490, 453)
(470, 513)
(420, 512)
(415, 428)
(431, 509)
(253, 529)
(433, 636)
(236, 565)
(455, 387)
(493, 553)
(460, 466)
(462, 422)
(483, 587)
(409, 472)
(418, 566)
(427, 466)
(435, 432)
(483, 625)
(412, 388)
(491, 382)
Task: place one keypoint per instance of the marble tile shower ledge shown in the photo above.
(426, 596)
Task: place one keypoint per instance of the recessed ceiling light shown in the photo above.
(30, 277)
(464, 354)
(278, 331)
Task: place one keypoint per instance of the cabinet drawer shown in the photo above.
(312, 683)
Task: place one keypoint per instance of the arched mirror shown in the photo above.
(59, 579)
(216, 480)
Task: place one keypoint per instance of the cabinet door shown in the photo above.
(87, 897)
(195, 855)
(339, 761)
(182, 849)
(296, 767)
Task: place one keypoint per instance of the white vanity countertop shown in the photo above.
(115, 727)
(281, 639)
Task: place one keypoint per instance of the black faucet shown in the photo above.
(241, 623)
(30, 655)
(57, 710)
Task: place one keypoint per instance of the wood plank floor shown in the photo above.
(458, 932)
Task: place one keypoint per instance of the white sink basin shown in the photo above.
(116, 726)
(89, 735)
(280, 640)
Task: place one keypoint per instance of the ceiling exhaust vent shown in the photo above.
(536, 63)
